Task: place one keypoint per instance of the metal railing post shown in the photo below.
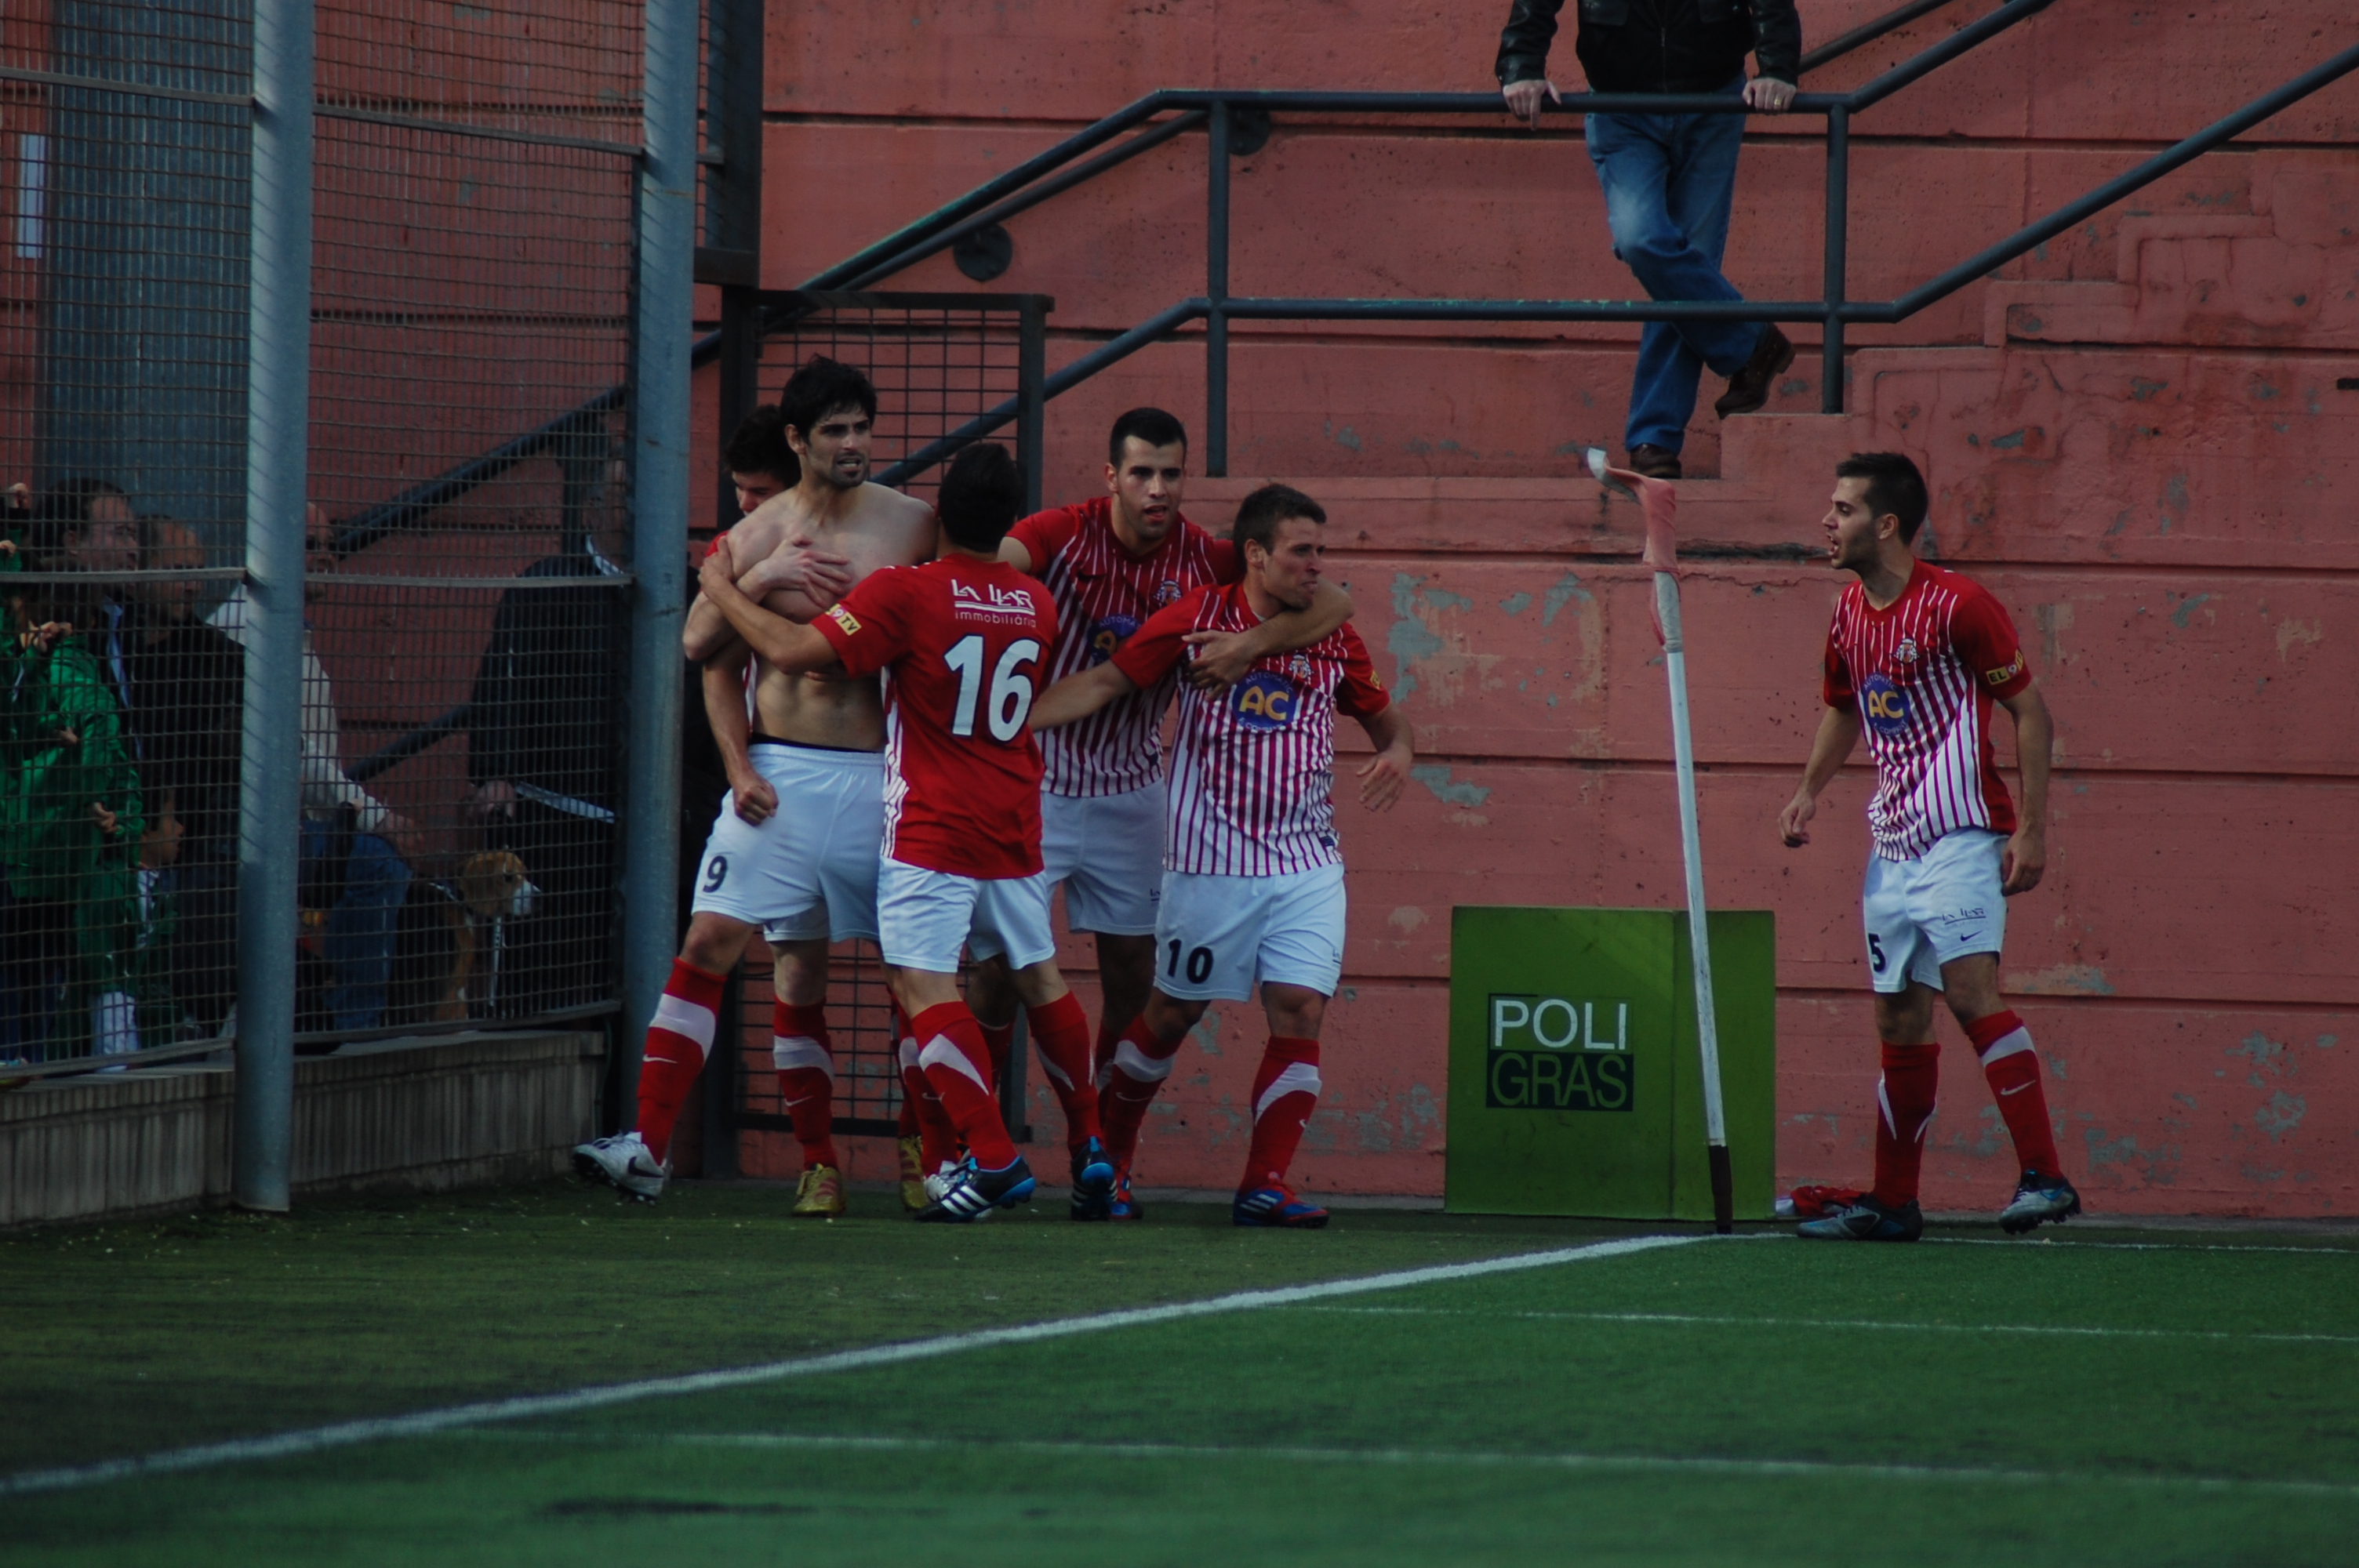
(1216, 294)
(1831, 360)
(1032, 397)
(277, 440)
(660, 331)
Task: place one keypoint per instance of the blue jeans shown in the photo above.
(361, 927)
(1669, 180)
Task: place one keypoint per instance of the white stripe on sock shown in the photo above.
(684, 1017)
(1299, 1078)
(792, 1050)
(1146, 1070)
(2007, 1044)
(941, 1051)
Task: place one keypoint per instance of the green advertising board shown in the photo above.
(1576, 1083)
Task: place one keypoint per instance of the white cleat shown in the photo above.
(622, 1161)
(938, 1184)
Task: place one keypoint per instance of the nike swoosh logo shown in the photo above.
(2017, 1090)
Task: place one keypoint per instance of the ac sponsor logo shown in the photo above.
(1884, 705)
(2007, 672)
(1263, 702)
(1108, 634)
(1550, 1052)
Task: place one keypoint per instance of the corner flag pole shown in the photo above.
(1657, 500)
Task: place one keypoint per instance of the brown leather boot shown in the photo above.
(1655, 462)
(1748, 389)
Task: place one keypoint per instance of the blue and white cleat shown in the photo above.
(2038, 1200)
(1120, 1205)
(969, 1193)
(1093, 1181)
(1277, 1209)
(1866, 1220)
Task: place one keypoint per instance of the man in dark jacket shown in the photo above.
(1669, 180)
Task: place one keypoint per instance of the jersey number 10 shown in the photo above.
(1011, 689)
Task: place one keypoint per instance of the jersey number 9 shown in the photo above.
(1011, 688)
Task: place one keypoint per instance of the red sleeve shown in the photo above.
(1149, 653)
(1360, 693)
(1228, 562)
(1835, 685)
(1044, 534)
(868, 627)
(1984, 635)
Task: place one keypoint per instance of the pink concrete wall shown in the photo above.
(2136, 437)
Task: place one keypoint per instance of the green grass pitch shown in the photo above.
(2106, 1396)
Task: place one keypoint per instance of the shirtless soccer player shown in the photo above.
(961, 640)
(1110, 562)
(806, 874)
(1920, 655)
(1253, 881)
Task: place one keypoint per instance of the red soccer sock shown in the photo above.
(2013, 1069)
(920, 1106)
(913, 1083)
(1136, 1069)
(1904, 1109)
(1284, 1091)
(951, 1051)
(678, 1037)
(998, 1039)
(1060, 1033)
(805, 1057)
(1102, 1052)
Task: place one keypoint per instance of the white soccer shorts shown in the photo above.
(926, 916)
(1108, 851)
(1218, 936)
(1924, 913)
(807, 873)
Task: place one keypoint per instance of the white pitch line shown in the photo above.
(2058, 1246)
(1422, 1458)
(2034, 1328)
(311, 1440)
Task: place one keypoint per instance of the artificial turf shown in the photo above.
(2079, 1401)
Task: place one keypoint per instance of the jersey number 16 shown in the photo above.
(1011, 688)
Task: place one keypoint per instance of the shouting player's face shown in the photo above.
(1145, 489)
(836, 449)
(1288, 572)
(1851, 527)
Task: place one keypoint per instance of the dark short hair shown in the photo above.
(152, 526)
(60, 512)
(1151, 425)
(1894, 487)
(760, 447)
(818, 389)
(1259, 514)
(982, 493)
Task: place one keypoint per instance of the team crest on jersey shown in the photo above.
(1168, 591)
(1907, 652)
(1264, 701)
(1884, 705)
(1298, 666)
(1108, 634)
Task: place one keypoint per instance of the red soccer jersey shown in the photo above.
(960, 642)
(1923, 672)
(1252, 769)
(1104, 595)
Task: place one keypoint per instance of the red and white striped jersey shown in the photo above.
(1103, 594)
(1252, 769)
(1923, 672)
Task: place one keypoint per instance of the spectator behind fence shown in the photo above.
(1670, 181)
(191, 678)
(760, 463)
(86, 525)
(70, 822)
(543, 754)
(355, 855)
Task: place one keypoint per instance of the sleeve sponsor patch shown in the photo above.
(2006, 672)
(845, 619)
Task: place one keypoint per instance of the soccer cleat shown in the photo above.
(970, 1195)
(820, 1191)
(939, 1182)
(1277, 1209)
(1866, 1220)
(623, 1163)
(914, 1196)
(2038, 1199)
(1092, 1182)
(1120, 1205)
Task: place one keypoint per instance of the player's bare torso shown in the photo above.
(880, 528)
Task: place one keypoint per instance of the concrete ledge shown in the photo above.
(420, 1115)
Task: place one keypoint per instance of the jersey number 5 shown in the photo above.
(1011, 689)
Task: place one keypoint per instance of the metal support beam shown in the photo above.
(1032, 397)
(1216, 294)
(277, 437)
(733, 208)
(1831, 357)
(661, 331)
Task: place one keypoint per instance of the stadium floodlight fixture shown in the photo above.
(1658, 502)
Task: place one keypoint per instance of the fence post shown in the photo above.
(278, 438)
(660, 300)
(1831, 357)
(1216, 294)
